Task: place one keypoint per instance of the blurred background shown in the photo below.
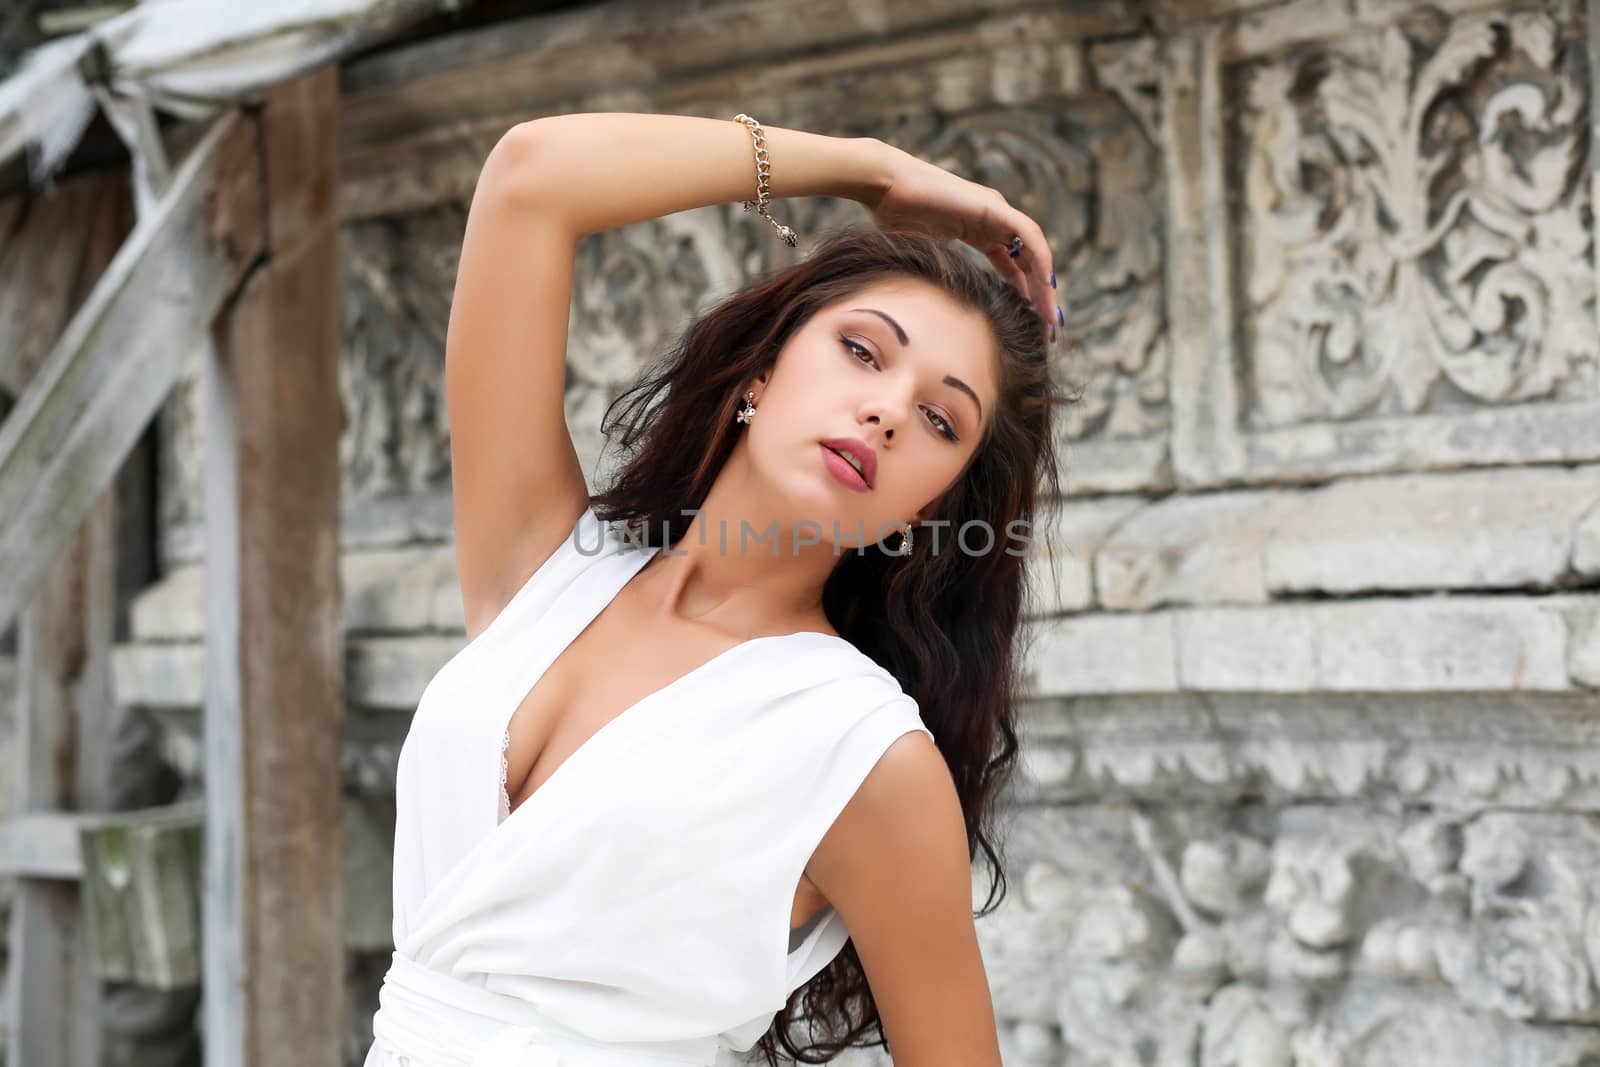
(1311, 765)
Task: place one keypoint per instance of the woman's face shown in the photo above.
(901, 368)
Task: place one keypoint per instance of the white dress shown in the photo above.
(635, 909)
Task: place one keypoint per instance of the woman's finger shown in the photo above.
(1034, 258)
(1021, 279)
(1010, 270)
(1023, 243)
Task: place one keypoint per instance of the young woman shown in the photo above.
(724, 738)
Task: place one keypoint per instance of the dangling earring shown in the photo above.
(749, 411)
(905, 543)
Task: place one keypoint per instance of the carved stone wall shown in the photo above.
(1403, 246)
(1311, 773)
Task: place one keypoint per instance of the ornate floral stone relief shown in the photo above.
(1310, 936)
(1417, 232)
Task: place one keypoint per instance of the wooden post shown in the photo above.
(64, 647)
(65, 708)
(273, 947)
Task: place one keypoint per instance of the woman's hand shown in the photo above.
(928, 199)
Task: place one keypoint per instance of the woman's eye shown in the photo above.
(942, 425)
(860, 350)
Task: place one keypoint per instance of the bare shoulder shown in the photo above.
(896, 867)
(908, 805)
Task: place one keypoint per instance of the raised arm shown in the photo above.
(518, 487)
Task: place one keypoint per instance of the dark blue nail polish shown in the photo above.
(1052, 335)
(1061, 316)
(1013, 253)
(1052, 279)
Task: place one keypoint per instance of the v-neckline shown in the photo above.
(606, 727)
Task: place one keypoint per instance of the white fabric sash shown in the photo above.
(429, 1019)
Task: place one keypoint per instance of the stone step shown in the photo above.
(398, 590)
(1436, 643)
(380, 672)
(1529, 528)
(1532, 528)
(1395, 644)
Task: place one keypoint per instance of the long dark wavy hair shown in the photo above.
(946, 624)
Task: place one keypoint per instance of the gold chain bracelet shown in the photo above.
(764, 180)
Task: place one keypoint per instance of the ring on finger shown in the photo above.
(1016, 246)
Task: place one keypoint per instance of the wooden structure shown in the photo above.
(235, 254)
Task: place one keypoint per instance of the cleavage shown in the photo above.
(582, 692)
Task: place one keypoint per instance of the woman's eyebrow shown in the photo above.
(898, 332)
(949, 379)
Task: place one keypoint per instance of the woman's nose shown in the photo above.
(892, 405)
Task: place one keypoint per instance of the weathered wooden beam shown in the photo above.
(273, 958)
(64, 710)
(41, 271)
(41, 844)
(122, 353)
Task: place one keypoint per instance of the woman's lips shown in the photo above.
(841, 469)
(853, 448)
